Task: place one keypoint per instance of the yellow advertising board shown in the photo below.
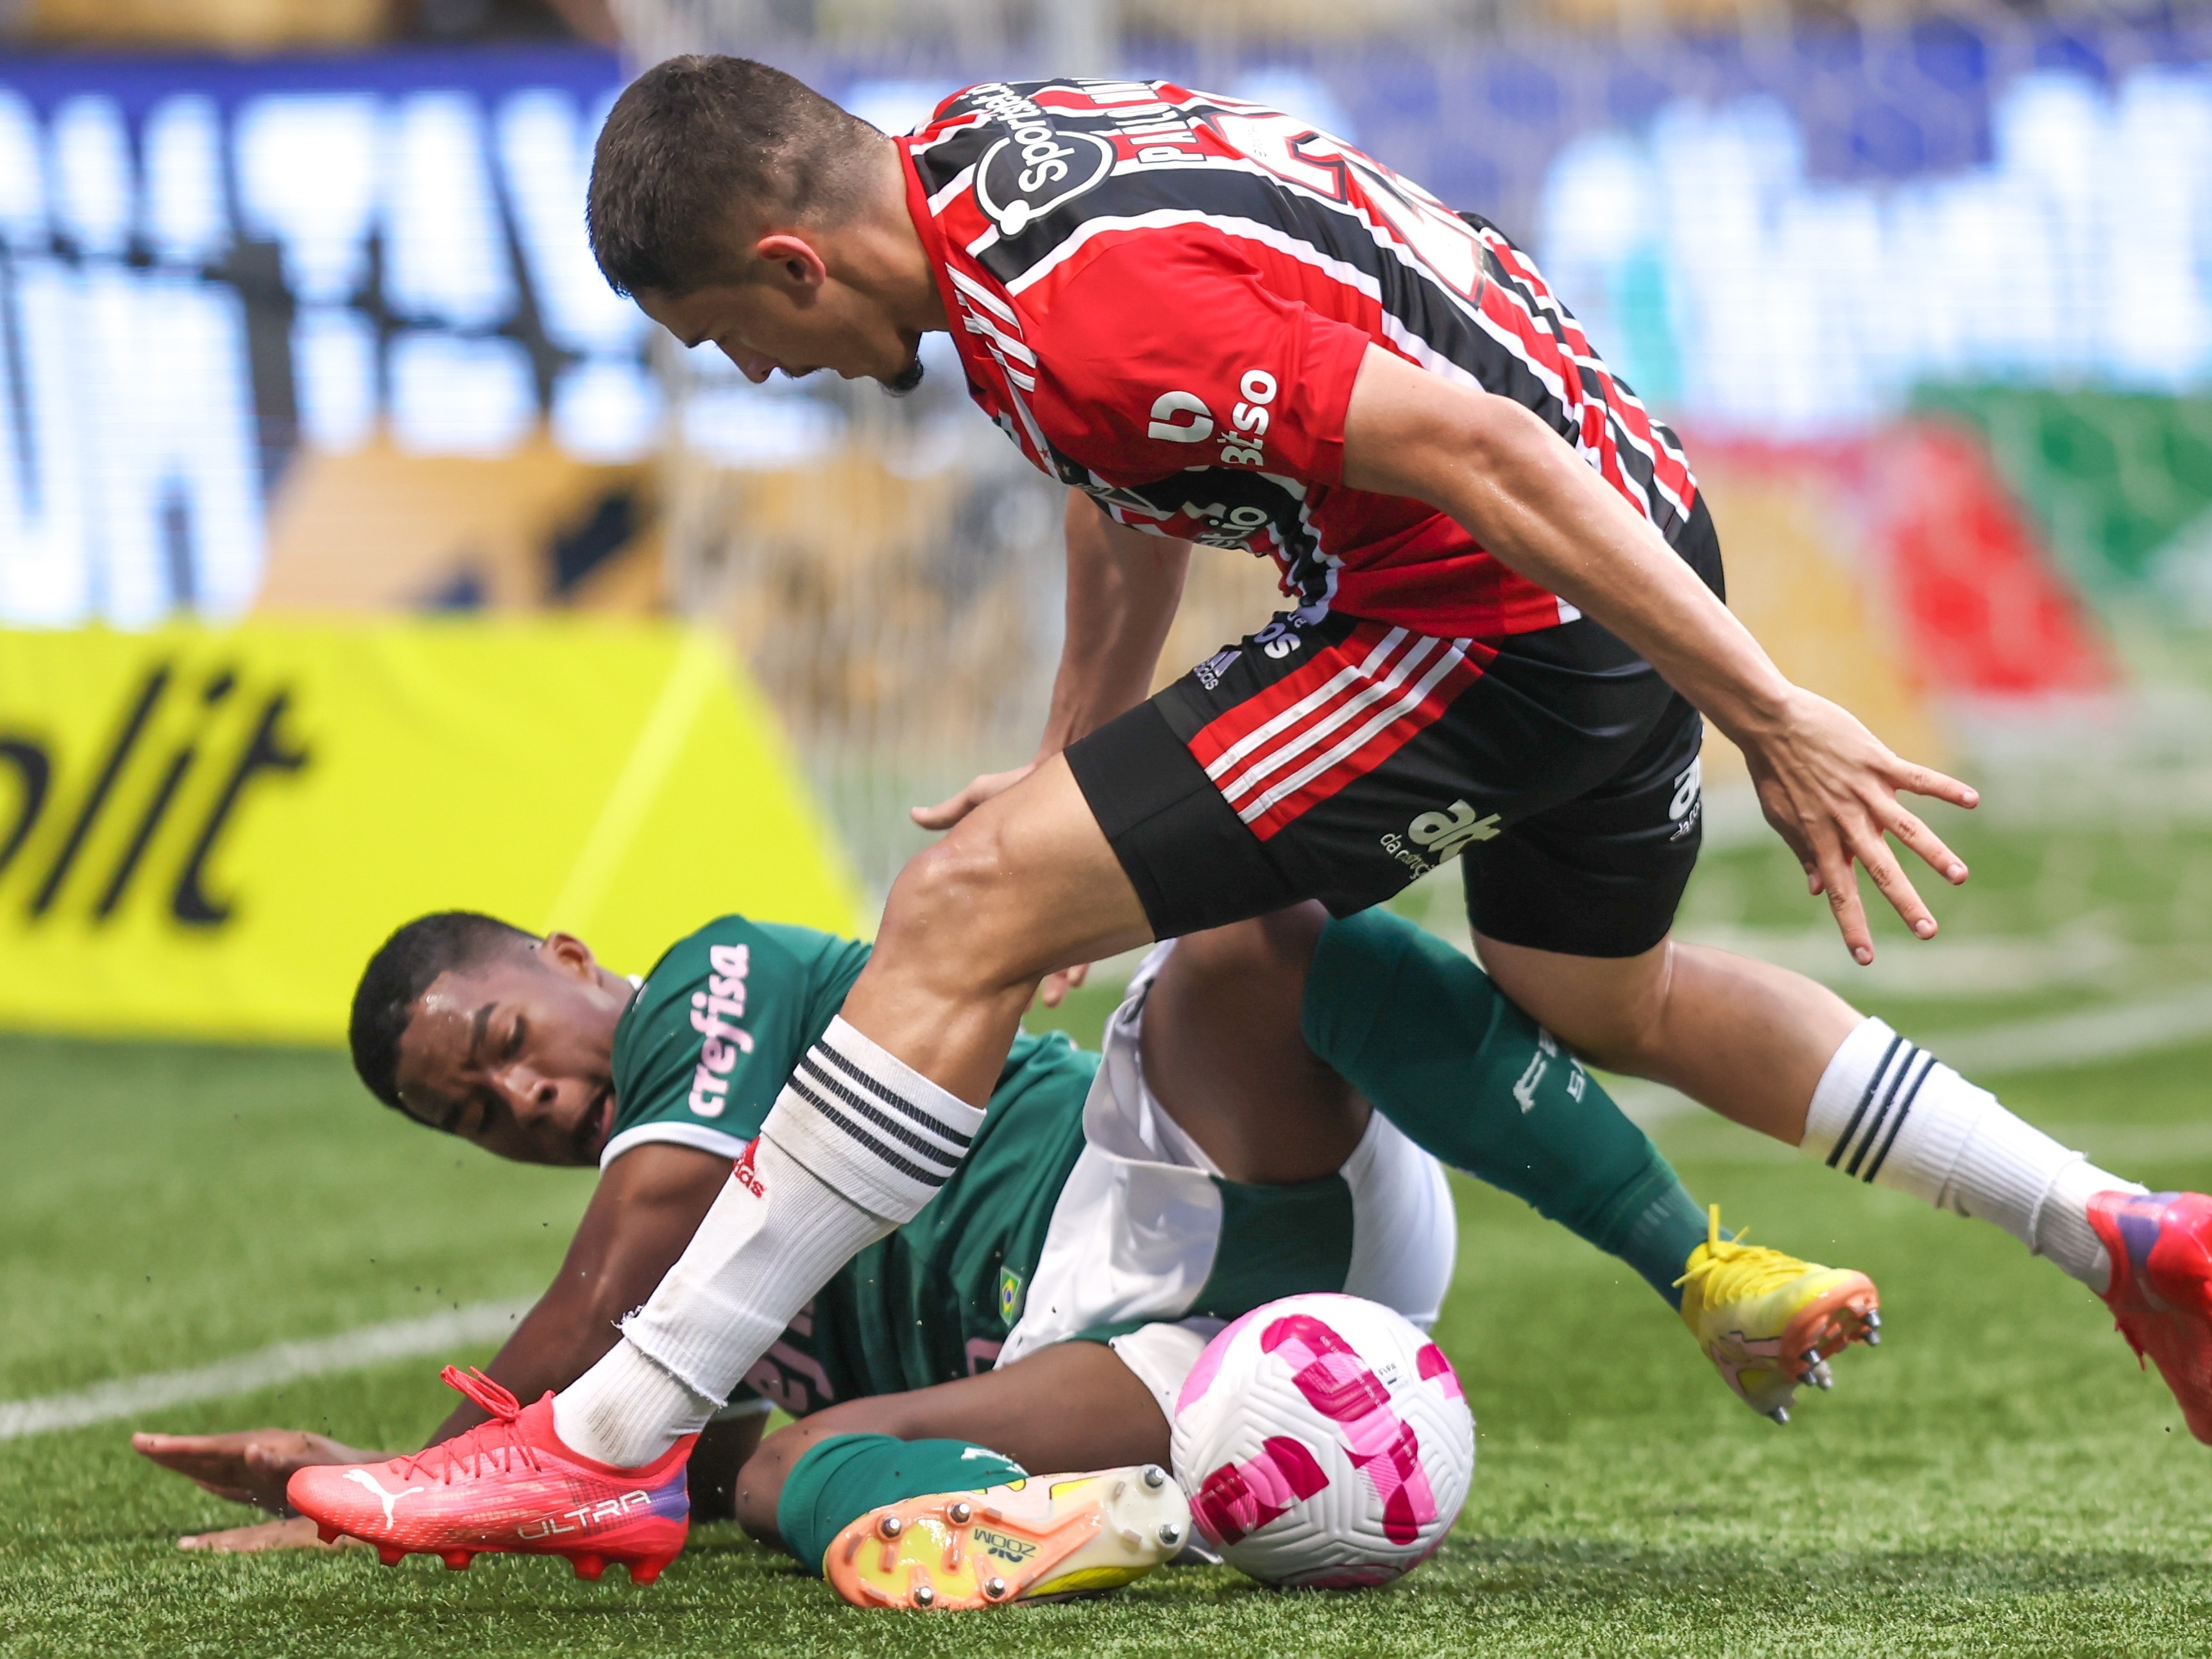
(206, 831)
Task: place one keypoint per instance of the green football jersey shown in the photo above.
(1080, 1213)
(700, 1056)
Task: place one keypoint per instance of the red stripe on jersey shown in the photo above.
(1336, 719)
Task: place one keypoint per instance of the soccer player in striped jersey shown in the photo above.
(1115, 1211)
(1218, 324)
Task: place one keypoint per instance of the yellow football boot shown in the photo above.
(1040, 1539)
(1769, 1321)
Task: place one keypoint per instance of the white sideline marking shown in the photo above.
(2112, 1032)
(2124, 1028)
(282, 1362)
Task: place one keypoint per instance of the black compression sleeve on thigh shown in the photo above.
(1190, 858)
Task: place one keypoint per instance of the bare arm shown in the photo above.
(642, 1213)
(1123, 588)
(1828, 785)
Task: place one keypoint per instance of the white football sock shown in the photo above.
(856, 1143)
(1893, 1114)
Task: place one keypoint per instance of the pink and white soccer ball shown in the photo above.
(1323, 1441)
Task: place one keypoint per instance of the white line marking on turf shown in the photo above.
(2112, 1032)
(282, 1362)
(2107, 1033)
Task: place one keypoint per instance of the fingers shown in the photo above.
(945, 813)
(1891, 881)
(1927, 780)
(1912, 833)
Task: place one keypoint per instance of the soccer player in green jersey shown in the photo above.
(1114, 1209)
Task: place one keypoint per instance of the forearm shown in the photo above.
(1123, 586)
(1538, 508)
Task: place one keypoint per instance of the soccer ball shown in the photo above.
(1323, 1442)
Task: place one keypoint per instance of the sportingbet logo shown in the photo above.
(1023, 177)
(586, 1518)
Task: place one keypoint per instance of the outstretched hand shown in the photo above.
(248, 1466)
(1830, 788)
(297, 1533)
(946, 813)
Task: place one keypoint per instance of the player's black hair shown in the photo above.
(697, 144)
(405, 966)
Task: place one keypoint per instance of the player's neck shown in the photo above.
(881, 253)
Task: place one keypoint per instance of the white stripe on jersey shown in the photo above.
(983, 296)
(1311, 731)
(1266, 733)
(1405, 705)
(945, 198)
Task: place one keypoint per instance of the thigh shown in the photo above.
(1221, 1034)
(1599, 875)
(1339, 759)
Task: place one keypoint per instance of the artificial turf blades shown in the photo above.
(1998, 1478)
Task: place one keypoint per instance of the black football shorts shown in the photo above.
(1339, 758)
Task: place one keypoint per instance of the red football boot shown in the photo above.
(506, 1485)
(2160, 1244)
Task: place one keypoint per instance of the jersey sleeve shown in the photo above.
(1166, 353)
(707, 1042)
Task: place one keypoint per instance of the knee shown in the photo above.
(948, 910)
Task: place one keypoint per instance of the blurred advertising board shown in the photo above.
(206, 831)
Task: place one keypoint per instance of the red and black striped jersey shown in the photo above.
(1163, 296)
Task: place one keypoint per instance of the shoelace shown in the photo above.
(494, 1442)
(1733, 1270)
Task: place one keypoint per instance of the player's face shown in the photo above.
(517, 1054)
(798, 326)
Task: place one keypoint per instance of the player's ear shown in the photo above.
(791, 261)
(566, 953)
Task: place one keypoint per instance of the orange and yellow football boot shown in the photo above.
(1040, 1539)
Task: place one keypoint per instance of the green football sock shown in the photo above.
(1420, 1029)
(839, 1480)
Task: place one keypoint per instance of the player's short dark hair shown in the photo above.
(696, 145)
(405, 966)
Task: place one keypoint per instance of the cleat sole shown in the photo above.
(327, 1533)
(457, 1560)
(390, 1554)
(588, 1567)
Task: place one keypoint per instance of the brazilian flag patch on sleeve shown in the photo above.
(1010, 1294)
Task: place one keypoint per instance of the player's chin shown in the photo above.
(596, 1127)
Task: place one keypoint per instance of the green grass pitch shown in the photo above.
(1998, 1478)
